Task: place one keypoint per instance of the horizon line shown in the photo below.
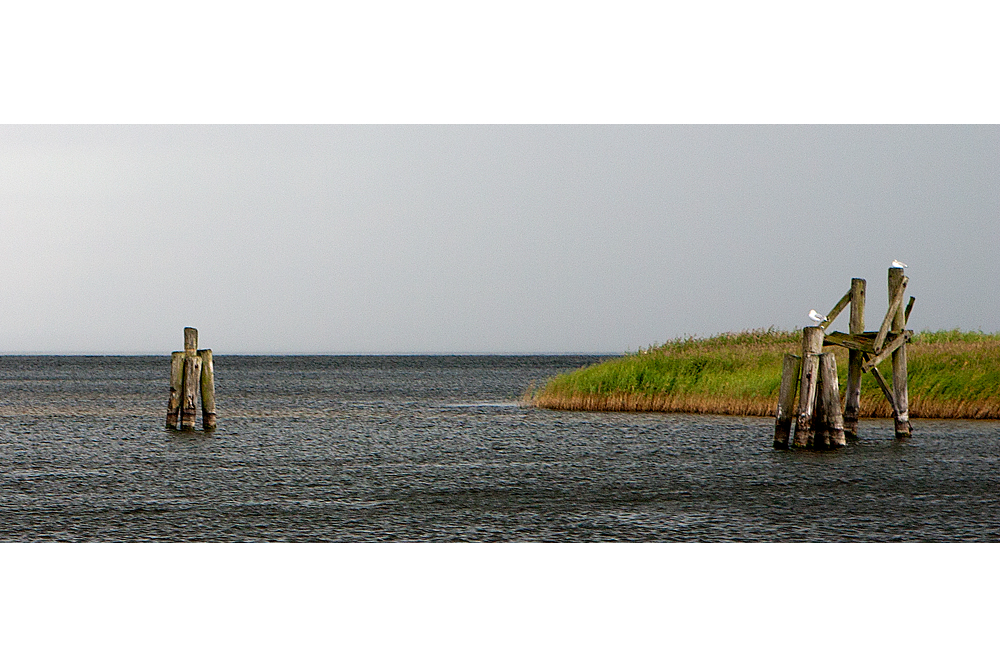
(313, 354)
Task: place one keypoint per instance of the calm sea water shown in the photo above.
(434, 448)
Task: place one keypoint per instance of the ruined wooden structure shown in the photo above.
(819, 420)
(192, 372)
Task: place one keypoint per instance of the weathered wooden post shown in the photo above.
(897, 283)
(790, 368)
(852, 401)
(812, 347)
(818, 437)
(208, 418)
(176, 389)
(189, 404)
(190, 341)
(832, 421)
(192, 377)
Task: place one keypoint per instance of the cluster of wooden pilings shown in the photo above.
(819, 421)
(191, 372)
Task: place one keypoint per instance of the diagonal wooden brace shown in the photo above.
(884, 386)
(832, 315)
(897, 342)
(897, 300)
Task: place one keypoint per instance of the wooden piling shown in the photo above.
(852, 400)
(189, 403)
(812, 347)
(208, 418)
(176, 389)
(819, 438)
(897, 283)
(190, 341)
(832, 421)
(791, 366)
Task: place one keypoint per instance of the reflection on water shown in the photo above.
(437, 448)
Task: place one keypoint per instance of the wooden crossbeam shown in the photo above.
(862, 342)
(897, 300)
(909, 307)
(865, 342)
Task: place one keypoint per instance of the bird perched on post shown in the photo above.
(816, 317)
(896, 264)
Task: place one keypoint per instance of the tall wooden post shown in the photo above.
(812, 347)
(208, 418)
(899, 380)
(852, 401)
(790, 368)
(192, 378)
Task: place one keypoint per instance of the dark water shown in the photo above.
(437, 449)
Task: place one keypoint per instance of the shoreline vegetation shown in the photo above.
(952, 375)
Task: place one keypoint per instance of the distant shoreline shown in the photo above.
(952, 375)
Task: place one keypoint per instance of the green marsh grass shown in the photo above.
(952, 374)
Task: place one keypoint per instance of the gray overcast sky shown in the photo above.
(503, 239)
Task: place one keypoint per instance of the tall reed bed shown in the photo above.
(952, 374)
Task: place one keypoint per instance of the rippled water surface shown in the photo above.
(438, 449)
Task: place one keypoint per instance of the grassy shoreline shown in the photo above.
(952, 375)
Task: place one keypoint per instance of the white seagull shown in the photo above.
(896, 264)
(816, 317)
